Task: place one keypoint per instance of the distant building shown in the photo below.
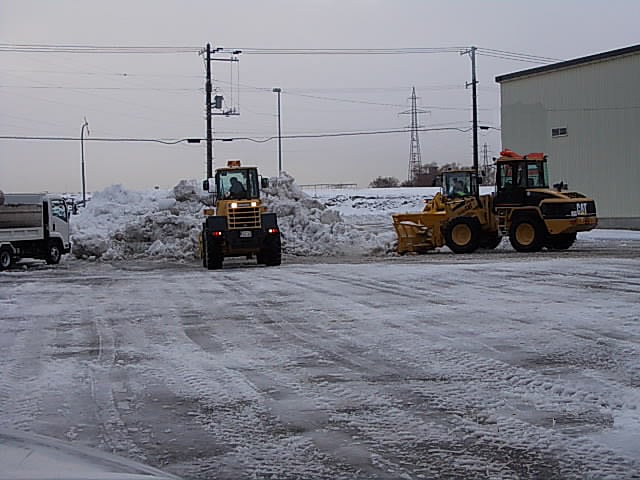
(585, 115)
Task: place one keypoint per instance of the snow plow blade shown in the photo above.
(417, 232)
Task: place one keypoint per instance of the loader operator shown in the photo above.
(458, 189)
(237, 190)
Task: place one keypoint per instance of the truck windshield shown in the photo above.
(59, 209)
(240, 183)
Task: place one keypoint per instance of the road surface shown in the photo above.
(496, 365)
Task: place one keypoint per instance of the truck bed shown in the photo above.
(20, 216)
(21, 234)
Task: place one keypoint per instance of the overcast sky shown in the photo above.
(161, 96)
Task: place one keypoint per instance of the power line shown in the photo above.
(230, 139)
(99, 139)
(94, 49)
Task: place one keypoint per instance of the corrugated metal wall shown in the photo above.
(599, 105)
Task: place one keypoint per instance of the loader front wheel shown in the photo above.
(489, 241)
(562, 241)
(462, 235)
(527, 234)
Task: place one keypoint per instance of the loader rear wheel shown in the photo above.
(562, 241)
(462, 235)
(203, 250)
(527, 234)
(271, 252)
(6, 259)
(214, 256)
(54, 253)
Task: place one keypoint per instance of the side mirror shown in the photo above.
(205, 185)
(264, 182)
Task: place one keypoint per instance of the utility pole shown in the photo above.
(84, 186)
(278, 90)
(207, 89)
(474, 94)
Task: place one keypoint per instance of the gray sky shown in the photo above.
(161, 95)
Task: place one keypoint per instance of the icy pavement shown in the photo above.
(496, 365)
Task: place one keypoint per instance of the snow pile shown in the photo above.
(119, 224)
(310, 228)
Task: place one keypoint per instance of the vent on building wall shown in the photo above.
(559, 132)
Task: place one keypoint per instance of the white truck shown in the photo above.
(33, 225)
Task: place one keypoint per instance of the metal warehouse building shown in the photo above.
(585, 115)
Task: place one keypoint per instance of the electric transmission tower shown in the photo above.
(415, 157)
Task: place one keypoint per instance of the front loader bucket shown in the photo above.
(414, 234)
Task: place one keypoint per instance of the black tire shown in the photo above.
(54, 253)
(490, 240)
(203, 249)
(271, 253)
(214, 254)
(527, 234)
(6, 259)
(462, 235)
(562, 241)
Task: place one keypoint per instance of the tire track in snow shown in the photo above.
(488, 368)
(22, 384)
(229, 408)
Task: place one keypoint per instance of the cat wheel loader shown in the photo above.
(532, 214)
(523, 207)
(239, 225)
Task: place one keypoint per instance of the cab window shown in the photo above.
(506, 175)
(59, 209)
(537, 175)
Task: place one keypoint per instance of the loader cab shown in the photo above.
(459, 183)
(237, 184)
(515, 177)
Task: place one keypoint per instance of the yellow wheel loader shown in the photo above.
(239, 225)
(457, 217)
(532, 214)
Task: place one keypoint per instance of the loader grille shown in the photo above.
(243, 217)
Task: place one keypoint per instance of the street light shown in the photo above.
(278, 91)
(84, 189)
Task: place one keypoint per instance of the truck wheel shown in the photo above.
(271, 253)
(54, 253)
(462, 235)
(6, 259)
(527, 234)
(562, 241)
(214, 255)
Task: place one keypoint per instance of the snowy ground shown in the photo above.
(491, 365)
